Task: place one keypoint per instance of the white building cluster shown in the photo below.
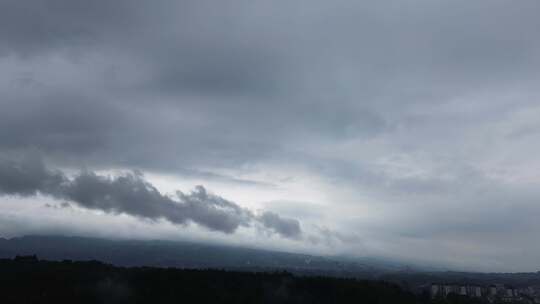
(443, 290)
(497, 292)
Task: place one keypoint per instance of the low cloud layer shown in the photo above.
(132, 194)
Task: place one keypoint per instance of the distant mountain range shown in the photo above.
(185, 255)
(129, 253)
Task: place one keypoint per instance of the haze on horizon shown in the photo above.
(400, 129)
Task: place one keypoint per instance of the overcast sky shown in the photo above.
(404, 129)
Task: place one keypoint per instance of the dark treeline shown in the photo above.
(29, 280)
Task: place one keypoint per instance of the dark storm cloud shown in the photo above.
(132, 194)
(28, 178)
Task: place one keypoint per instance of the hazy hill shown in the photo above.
(202, 256)
(178, 254)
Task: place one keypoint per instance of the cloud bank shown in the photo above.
(132, 194)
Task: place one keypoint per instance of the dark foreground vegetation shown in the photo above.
(28, 280)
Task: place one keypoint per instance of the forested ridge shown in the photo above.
(28, 280)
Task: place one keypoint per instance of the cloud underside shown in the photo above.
(132, 194)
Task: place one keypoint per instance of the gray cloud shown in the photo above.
(412, 111)
(29, 29)
(28, 178)
(283, 226)
(132, 194)
(250, 80)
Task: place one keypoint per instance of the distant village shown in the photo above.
(495, 293)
